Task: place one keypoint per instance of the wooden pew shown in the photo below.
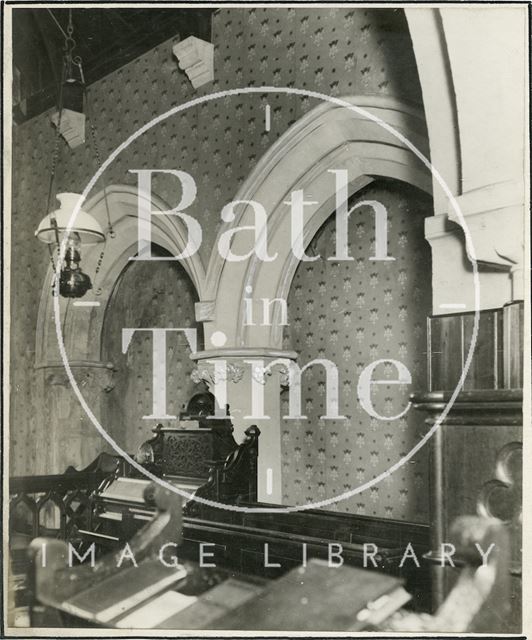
(478, 603)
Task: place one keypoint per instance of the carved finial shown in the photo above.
(253, 431)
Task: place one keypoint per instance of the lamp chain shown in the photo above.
(70, 44)
(94, 139)
(55, 158)
(66, 69)
(66, 74)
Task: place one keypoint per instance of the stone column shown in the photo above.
(245, 381)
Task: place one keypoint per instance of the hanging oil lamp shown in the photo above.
(65, 237)
(86, 230)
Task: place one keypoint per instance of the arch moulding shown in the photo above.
(328, 138)
(82, 325)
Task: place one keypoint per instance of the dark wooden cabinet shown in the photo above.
(476, 452)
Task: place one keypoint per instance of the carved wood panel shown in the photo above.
(187, 454)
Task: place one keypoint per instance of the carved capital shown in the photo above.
(233, 364)
(261, 374)
(84, 371)
(212, 373)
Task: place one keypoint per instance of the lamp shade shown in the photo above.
(88, 228)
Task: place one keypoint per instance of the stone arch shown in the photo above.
(439, 98)
(82, 327)
(463, 147)
(328, 137)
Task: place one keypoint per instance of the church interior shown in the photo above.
(171, 340)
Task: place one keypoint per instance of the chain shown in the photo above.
(55, 158)
(70, 27)
(66, 70)
(68, 61)
(51, 251)
(94, 140)
(70, 44)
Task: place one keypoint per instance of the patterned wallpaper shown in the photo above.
(336, 51)
(168, 298)
(354, 313)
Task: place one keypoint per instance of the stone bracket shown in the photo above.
(204, 311)
(72, 127)
(493, 214)
(196, 59)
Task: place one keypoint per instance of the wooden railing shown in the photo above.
(56, 504)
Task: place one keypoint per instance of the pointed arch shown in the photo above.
(82, 327)
(329, 137)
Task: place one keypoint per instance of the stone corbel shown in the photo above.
(204, 310)
(196, 59)
(72, 127)
(494, 215)
(494, 218)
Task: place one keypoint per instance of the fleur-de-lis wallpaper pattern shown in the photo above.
(337, 51)
(353, 313)
(168, 302)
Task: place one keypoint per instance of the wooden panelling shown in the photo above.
(476, 457)
(476, 453)
(513, 327)
(240, 544)
(497, 361)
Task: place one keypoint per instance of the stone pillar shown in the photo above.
(238, 375)
(473, 83)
